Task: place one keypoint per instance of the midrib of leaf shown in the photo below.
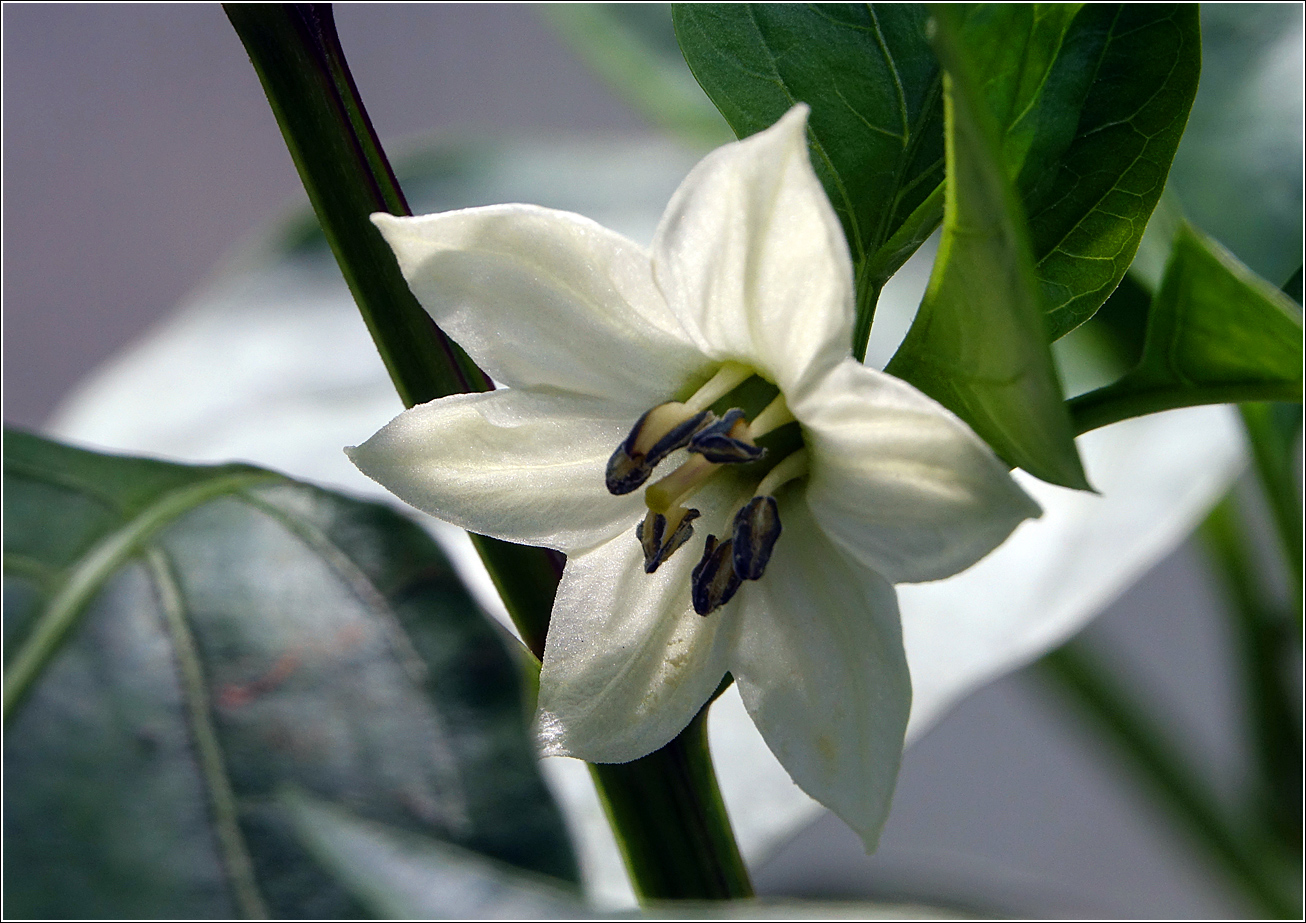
(87, 577)
(222, 796)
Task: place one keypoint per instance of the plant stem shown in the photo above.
(1272, 432)
(1085, 683)
(671, 824)
(689, 852)
(1268, 643)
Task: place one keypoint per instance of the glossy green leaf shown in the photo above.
(1085, 223)
(1216, 333)
(1034, 71)
(180, 641)
(632, 46)
(875, 130)
(978, 344)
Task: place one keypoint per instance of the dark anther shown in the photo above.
(629, 468)
(714, 579)
(657, 545)
(715, 443)
(757, 526)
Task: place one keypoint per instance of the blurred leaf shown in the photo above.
(977, 345)
(180, 641)
(1216, 333)
(632, 46)
(875, 131)
(1086, 221)
(400, 875)
(1238, 172)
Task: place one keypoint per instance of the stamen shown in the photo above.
(795, 466)
(655, 435)
(660, 536)
(756, 528)
(714, 581)
(727, 440)
(773, 416)
(727, 378)
(679, 485)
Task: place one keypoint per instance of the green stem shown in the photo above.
(299, 61)
(1125, 399)
(868, 295)
(1083, 680)
(1273, 431)
(345, 176)
(671, 824)
(1268, 644)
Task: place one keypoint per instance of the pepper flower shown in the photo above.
(733, 490)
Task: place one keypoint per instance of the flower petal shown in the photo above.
(1158, 475)
(518, 465)
(821, 668)
(628, 663)
(752, 259)
(545, 298)
(899, 482)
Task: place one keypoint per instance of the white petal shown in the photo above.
(752, 259)
(545, 298)
(1158, 475)
(899, 482)
(821, 668)
(523, 466)
(628, 663)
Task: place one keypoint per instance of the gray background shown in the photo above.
(139, 148)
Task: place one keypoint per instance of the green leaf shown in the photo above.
(632, 46)
(1238, 172)
(978, 344)
(180, 641)
(1032, 74)
(400, 875)
(1086, 222)
(875, 131)
(1215, 333)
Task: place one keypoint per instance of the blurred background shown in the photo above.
(139, 149)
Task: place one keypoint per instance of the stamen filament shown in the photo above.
(679, 485)
(795, 466)
(727, 378)
(773, 416)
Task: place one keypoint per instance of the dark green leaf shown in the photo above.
(978, 344)
(875, 130)
(1086, 221)
(180, 641)
(400, 875)
(1215, 333)
(1033, 73)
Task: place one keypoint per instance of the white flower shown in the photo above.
(749, 278)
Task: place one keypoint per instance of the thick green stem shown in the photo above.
(1089, 687)
(345, 176)
(671, 824)
(298, 58)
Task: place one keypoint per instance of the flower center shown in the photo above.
(716, 433)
